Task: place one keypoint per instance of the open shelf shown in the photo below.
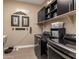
(69, 14)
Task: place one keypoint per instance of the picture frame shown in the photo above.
(25, 21)
(15, 20)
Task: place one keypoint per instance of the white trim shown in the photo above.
(16, 48)
(23, 46)
(5, 48)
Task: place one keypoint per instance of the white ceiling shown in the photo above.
(38, 2)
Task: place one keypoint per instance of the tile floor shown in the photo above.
(25, 53)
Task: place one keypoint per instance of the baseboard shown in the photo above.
(5, 48)
(23, 46)
(16, 48)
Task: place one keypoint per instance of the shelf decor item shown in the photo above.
(20, 13)
(25, 21)
(14, 20)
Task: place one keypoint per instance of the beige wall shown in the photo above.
(19, 37)
(70, 24)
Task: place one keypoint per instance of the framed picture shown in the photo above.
(14, 20)
(25, 21)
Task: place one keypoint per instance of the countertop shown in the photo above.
(38, 35)
(71, 48)
(68, 47)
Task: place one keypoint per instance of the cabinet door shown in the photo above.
(37, 47)
(64, 6)
(41, 14)
(72, 5)
(53, 55)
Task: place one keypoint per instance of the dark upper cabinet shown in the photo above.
(51, 9)
(56, 7)
(41, 14)
(74, 2)
(72, 5)
(64, 6)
